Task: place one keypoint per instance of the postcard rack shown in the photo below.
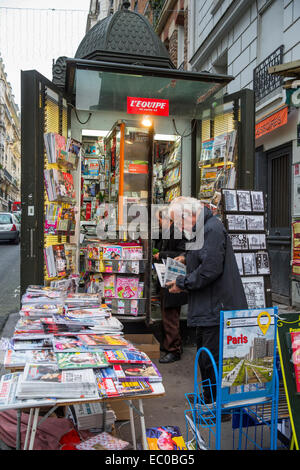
(244, 216)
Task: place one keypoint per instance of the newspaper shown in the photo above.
(169, 271)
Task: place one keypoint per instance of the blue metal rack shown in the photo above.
(254, 414)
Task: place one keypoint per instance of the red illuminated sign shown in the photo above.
(147, 106)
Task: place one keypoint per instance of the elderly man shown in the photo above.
(212, 281)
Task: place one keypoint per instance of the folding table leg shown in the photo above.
(143, 427)
(18, 436)
(34, 428)
(132, 424)
(28, 428)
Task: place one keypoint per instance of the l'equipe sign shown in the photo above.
(147, 106)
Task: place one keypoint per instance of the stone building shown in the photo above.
(10, 151)
(244, 38)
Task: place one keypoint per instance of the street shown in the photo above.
(9, 279)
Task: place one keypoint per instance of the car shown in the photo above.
(10, 227)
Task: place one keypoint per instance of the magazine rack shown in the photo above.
(253, 413)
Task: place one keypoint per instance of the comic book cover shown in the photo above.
(165, 438)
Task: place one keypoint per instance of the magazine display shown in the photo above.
(47, 380)
(165, 438)
(59, 185)
(244, 218)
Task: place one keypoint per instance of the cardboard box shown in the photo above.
(121, 410)
(146, 343)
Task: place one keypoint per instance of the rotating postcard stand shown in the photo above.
(246, 384)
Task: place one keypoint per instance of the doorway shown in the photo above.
(278, 165)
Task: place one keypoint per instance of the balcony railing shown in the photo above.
(263, 82)
(156, 6)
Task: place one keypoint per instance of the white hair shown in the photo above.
(184, 206)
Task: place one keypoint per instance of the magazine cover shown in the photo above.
(127, 287)
(127, 356)
(133, 387)
(133, 372)
(165, 438)
(81, 360)
(112, 252)
(67, 344)
(60, 259)
(109, 285)
(106, 341)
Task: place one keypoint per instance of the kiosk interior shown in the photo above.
(87, 196)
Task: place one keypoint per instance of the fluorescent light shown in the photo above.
(95, 133)
(165, 137)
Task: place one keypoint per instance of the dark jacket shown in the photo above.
(170, 248)
(213, 281)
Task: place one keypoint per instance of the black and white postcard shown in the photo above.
(236, 222)
(256, 241)
(249, 263)
(239, 241)
(230, 199)
(263, 263)
(255, 291)
(257, 199)
(255, 222)
(239, 262)
(244, 201)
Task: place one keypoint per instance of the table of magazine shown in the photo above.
(33, 421)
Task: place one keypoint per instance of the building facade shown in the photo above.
(10, 146)
(244, 38)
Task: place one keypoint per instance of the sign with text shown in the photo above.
(151, 106)
(248, 347)
(271, 123)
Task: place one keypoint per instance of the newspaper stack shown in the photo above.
(47, 381)
(90, 416)
(8, 398)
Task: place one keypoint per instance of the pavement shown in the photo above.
(9, 280)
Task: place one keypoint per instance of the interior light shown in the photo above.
(146, 121)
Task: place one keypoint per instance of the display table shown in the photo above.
(33, 422)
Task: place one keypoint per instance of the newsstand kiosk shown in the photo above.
(139, 132)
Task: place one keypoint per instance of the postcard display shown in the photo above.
(217, 166)
(167, 171)
(116, 264)
(243, 215)
(60, 173)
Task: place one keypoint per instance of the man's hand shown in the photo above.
(173, 288)
(181, 259)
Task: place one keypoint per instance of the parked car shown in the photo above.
(10, 227)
